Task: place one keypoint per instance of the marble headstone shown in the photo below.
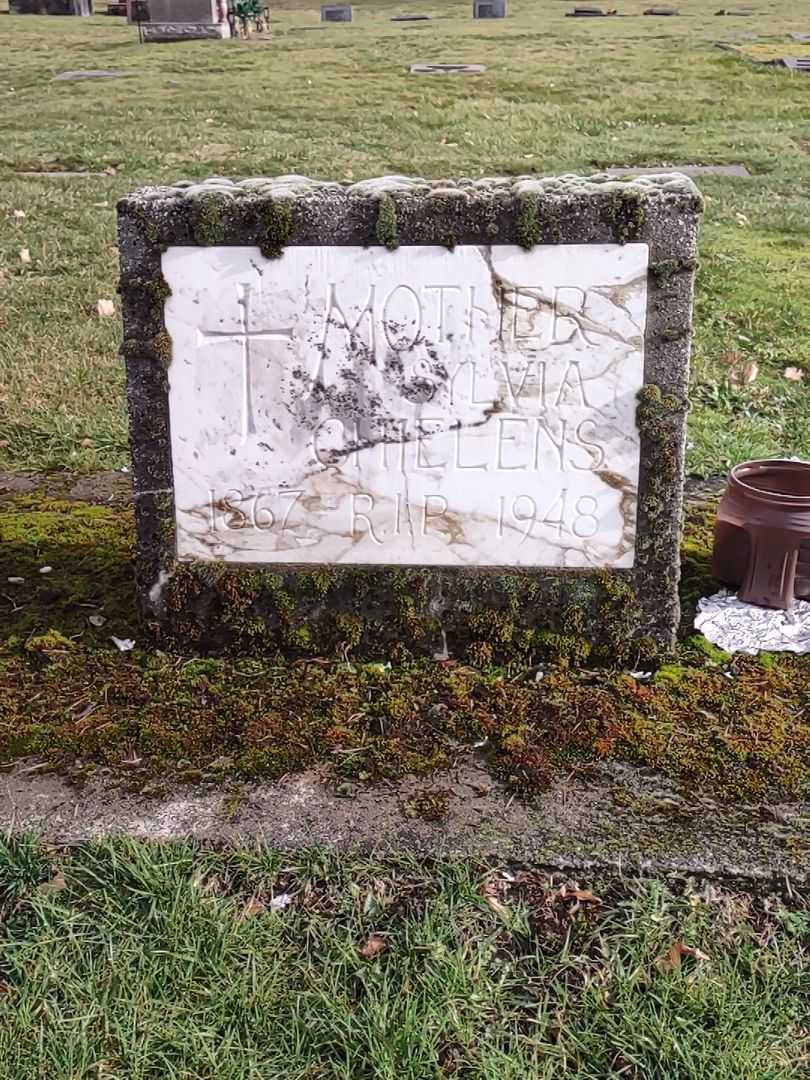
(483, 381)
(180, 20)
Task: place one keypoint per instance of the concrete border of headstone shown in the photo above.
(180, 599)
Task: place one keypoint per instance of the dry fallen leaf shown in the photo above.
(105, 308)
(794, 374)
(19, 214)
(254, 906)
(489, 891)
(56, 884)
(373, 947)
(25, 255)
(672, 958)
(743, 373)
(582, 896)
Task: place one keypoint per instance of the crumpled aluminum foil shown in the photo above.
(737, 627)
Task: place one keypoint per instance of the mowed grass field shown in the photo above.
(125, 961)
(559, 95)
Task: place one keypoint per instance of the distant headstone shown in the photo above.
(739, 12)
(336, 13)
(797, 63)
(411, 18)
(684, 170)
(447, 69)
(117, 9)
(50, 7)
(77, 76)
(396, 414)
(489, 9)
(800, 37)
(179, 20)
(662, 11)
(588, 12)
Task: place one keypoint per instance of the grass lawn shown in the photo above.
(559, 95)
(122, 960)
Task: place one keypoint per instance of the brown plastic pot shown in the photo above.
(762, 533)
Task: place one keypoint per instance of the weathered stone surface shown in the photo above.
(620, 818)
(483, 380)
(400, 405)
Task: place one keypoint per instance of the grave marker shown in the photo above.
(489, 9)
(447, 69)
(588, 12)
(675, 170)
(336, 13)
(397, 412)
(51, 7)
(180, 20)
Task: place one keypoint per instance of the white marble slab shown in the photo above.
(417, 407)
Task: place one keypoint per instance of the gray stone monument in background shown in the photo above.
(405, 415)
(489, 9)
(336, 13)
(180, 20)
(50, 7)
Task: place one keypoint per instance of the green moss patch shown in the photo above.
(533, 707)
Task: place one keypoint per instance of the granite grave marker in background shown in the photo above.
(489, 9)
(336, 13)
(389, 410)
(180, 20)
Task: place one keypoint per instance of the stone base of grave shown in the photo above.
(117, 9)
(156, 32)
(620, 818)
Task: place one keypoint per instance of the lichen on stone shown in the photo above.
(276, 218)
(386, 227)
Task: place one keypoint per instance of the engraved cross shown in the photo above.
(244, 335)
